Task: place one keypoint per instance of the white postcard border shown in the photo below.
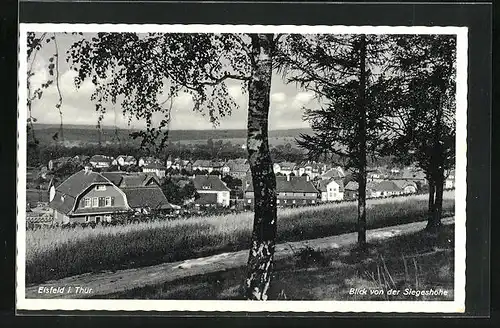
(455, 306)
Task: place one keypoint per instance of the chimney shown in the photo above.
(307, 177)
(87, 169)
(287, 177)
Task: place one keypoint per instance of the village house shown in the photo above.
(312, 169)
(187, 165)
(157, 169)
(81, 159)
(169, 161)
(331, 190)
(238, 168)
(148, 160)
(351, 190)
(54, 164)
(101, 161)
(385, 188)
(124, 160)
(407, 186)
(92, 197)
(291, 191)
(220, 166)
(285, 168)
(376, 175)
(414, 174)
(212, 191)
(333, 173)
(202, 164)
(176, 164)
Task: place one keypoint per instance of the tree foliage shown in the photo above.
(423, 125)
(347, 75)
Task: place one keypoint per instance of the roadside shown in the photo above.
(106, 283)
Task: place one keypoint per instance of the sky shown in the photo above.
(286, 109)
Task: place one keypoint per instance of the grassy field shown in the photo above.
(56, 252)
(416, 261)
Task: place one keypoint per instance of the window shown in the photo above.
(87, 202)
(102, 201)
(249, 201)
(95, 202)
(277, 201)
(87, 218)
(108, 201)
(100, 187)
(112, 201)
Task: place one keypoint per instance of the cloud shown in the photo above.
(235, 91)
(278, 97)
(303, 97)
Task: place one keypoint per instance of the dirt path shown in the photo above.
(111, 282)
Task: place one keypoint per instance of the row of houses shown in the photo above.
(93, 197)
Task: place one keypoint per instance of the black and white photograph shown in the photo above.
(203, 167)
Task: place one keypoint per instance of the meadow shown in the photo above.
(400, 264)
(54, 253)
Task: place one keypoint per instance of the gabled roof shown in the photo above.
(76, 183)
(238, 166)
(237, 161)
(101, 159)
(352, 185)
(404, 183)
(213, 182)
(287, 165)
(332, 173)
(293, 184)
(386, 185)
(152, 197)
(322, 185)
(67, 192)
(202, 163)
(129, 179)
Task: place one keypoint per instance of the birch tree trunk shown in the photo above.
(260, 259)
(362, 147)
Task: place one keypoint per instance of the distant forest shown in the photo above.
(184, 144)
(86, 134)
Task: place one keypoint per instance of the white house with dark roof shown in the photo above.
(331, 190)
(292, 191)
(101, 161)
(155, 168)
(285, 168)
(88, 196)
(124, 160)
(211, 190)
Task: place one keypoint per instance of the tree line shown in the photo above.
(378, 95)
